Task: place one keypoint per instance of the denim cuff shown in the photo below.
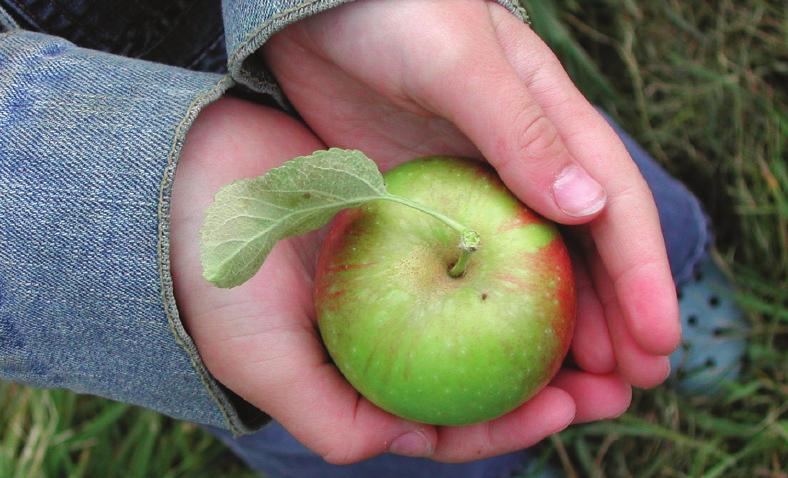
(89, 144)
(248, 24)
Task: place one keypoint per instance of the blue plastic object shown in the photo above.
(713, 332)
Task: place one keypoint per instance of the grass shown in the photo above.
(55, 433)
(702, 85)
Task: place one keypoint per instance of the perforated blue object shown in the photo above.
(713, 329)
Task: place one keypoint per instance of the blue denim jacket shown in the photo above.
(89, 142)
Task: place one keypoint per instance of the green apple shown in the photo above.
(425, 345)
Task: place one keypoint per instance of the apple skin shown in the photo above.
(421, 344)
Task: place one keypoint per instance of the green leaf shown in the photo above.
(247, 217)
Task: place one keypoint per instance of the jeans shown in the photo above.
(276, 453)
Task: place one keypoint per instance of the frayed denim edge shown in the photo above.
(234, 422)
(7, 23)
(255, 76)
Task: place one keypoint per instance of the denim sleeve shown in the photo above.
(248, 24)
(88, 148)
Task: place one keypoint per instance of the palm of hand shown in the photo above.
(260, 339)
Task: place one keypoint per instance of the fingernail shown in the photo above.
(577, 193)
(413, 443)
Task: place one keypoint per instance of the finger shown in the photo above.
(591, 346)
(293, 382)
(597, 397)
(343, 427)
(550, 411)
(627, 235)
(479, 91)
(637, 366)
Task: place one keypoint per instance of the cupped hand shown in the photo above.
(260, 339)
(411, 78)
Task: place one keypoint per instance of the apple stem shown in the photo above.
(458, 269)
(469, 239)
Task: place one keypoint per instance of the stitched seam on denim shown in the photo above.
(7, 22)
(234, 422)
(258, 37)
(252, 37)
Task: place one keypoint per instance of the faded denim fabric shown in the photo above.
(88, 149)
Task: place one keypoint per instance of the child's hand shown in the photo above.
(413, 77)
(260, 339)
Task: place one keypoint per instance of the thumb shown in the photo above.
(484, 97)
